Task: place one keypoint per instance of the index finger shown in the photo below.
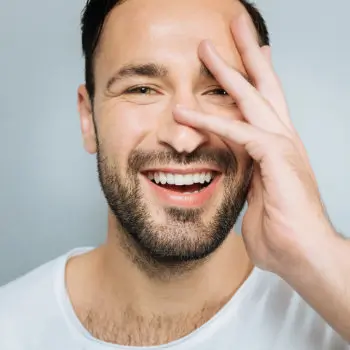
(254, 107)
(259, 66)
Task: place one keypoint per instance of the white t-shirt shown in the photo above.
(265, 314)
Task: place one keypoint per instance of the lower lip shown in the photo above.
(178, 199)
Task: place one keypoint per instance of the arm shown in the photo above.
(322, 278)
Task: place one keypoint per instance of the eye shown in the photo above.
(218, 92)
(141, 90)
(221, 96)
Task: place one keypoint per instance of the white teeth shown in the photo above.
(156, 178)
(180, 179)
(208, 177)
(163, 179)
(170, 179)
(188, 179)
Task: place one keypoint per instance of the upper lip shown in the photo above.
(192, 170)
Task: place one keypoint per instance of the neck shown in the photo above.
(113, 281)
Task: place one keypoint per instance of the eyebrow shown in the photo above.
(149, 70)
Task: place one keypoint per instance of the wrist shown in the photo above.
(321, 258)
(323, 281)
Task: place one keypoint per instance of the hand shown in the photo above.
(286, 219)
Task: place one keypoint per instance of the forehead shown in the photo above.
(166, 30)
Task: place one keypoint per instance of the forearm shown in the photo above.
(323, 280)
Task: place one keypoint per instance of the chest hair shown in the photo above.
(131, 329)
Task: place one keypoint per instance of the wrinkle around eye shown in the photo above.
(132, 94)
(128, 89)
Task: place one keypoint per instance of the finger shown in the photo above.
(266, 51)
(259, 144)
(255, 109)
(235, 131)
(280, 103)
(259, 66)
(248, 47)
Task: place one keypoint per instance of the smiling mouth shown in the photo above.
(182, 183)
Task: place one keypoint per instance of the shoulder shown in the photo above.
(31, 306)
(29, 292)
(32, 301)
(38, 288)
(27, 305)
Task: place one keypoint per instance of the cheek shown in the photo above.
(122, 125)
(244, 161)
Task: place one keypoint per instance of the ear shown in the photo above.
(86, 120)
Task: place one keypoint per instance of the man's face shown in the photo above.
(177, 191)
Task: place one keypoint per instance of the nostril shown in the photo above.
(180, 137)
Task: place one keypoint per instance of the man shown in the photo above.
(188, 120)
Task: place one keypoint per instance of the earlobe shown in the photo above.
(86, 120)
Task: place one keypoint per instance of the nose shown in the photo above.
(182, 138)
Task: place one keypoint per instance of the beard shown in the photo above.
(184, 237)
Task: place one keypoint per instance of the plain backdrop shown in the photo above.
(50, 199)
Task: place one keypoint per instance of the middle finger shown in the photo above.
(255, 109)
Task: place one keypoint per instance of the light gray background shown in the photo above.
(50, 200)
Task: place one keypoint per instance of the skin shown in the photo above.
(286, 229)
(181, 302)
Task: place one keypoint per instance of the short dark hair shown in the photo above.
(93, 19)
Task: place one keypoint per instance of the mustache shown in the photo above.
(225, 160)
